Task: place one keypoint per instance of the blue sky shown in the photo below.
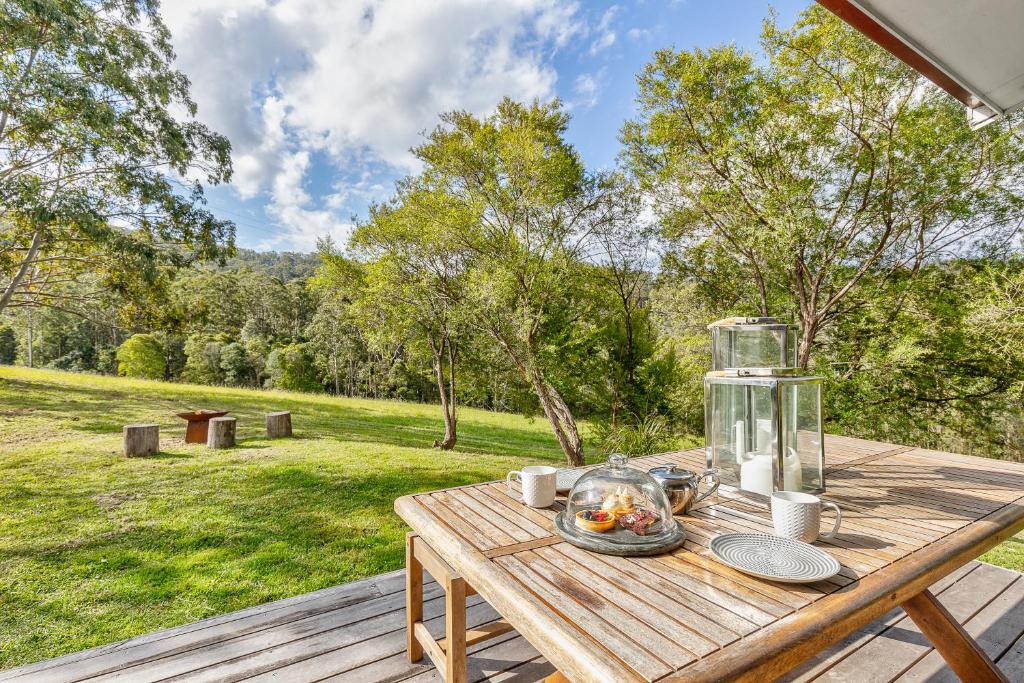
(322, 99)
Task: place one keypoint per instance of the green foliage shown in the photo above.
(141, 356)
(106, 361)
(931, 358)
(236, 365)
(291, 367)
(90, 134)
(640, 435)
(8, 345)
(930, 370)
(202, 365)
(818, 180)
(813, 166)
(517, 199)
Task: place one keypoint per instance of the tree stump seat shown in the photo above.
(279, 425)
(221, 433)
(141, 439)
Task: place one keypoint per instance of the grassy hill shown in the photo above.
(95, 547)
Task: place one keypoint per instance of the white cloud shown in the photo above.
(638, 34)
(354, 83)
(587, 88)
(605, 34)
(293, 208)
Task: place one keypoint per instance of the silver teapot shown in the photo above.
(682, 486)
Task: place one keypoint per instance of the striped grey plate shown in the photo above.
(566, 479)
(774, 558)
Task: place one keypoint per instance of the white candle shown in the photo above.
(741, 441)
(794, 472)
(756, 475)
(764, 435)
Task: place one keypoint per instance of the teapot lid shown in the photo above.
(670, 472)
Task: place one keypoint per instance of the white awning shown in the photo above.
(973, 49)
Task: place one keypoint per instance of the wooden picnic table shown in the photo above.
(910, 517)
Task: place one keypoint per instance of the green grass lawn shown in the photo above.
(95, 547)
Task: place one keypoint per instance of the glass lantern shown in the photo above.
(752, 343)
(620, 504)
(763, 429)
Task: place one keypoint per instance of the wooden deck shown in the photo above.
(355, 632)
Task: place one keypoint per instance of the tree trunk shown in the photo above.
(807, 335)
(334, 362)
(30, 342)
(446, 390)
(141, 440)
(221, 433)
(30, 257)
(560, 417)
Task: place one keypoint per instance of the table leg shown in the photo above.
(964, 656)
(455, 631)
(413, 599)
(449, 653)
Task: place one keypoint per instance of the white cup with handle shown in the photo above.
(537, 482)
(798, 516)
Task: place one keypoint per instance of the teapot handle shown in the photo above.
(708, 474)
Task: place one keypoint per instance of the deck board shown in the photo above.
(355, 633)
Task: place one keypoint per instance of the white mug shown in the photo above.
(538, 483)
(798, 515)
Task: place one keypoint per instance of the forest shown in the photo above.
(820, 181)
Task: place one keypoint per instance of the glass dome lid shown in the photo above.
(619, 504)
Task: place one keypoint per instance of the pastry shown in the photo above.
(595, 520)
(618, 503)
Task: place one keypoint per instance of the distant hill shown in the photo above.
(283, 265)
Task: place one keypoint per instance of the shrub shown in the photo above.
(141, 356)
(645, 435)
(106, 360)
(74, 361)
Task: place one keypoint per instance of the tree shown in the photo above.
(202, 364)
(290, 367)
(8, 345)
(936, 374)
(412, 285)
(824, 163)
(524, 209)
(88, 148)
(141, 356)
(334, 337)
(235, 363)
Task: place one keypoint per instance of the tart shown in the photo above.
(595, 520)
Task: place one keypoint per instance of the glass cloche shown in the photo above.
(619, 510)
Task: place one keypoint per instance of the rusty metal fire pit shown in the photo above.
(199, 423)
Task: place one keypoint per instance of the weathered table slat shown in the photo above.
(911, 517)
